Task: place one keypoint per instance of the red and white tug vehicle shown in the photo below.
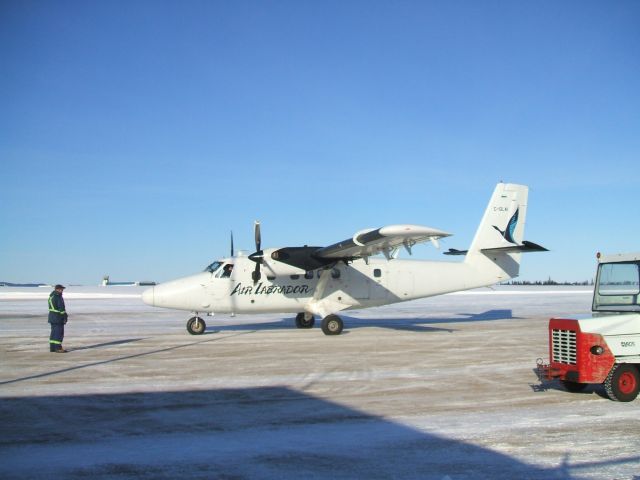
(604, 347)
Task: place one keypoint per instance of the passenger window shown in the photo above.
(295, 277)
(335, 273)
(309, 275)
(377, 273)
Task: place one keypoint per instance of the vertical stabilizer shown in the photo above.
(502, 226)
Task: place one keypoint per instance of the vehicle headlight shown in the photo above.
(597, 350)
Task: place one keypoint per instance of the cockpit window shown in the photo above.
(226, 271)
(213, 267)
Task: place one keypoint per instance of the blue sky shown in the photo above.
(134, 135)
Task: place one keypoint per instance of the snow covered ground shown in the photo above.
(441, 388)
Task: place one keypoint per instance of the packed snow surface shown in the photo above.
(441, 388)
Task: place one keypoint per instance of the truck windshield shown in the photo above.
(617, 287)
(213, 267)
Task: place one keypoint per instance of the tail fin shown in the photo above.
(503, 222)
(498, 243)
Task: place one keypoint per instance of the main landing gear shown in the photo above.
(305, 320)
(331, 324)
(196, 325)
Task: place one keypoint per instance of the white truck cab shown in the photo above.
(605, 346)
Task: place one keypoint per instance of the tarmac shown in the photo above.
(440, 388)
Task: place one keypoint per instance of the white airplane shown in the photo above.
(322, 281)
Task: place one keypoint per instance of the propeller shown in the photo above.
(258, 256)
(232, 244)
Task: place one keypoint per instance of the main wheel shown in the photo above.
(196, 326)
(332, 325)
(303, 322)
(574, 386)
(623, 382)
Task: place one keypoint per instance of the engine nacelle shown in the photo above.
(277, 268)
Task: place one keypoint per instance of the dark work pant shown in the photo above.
(57, 334)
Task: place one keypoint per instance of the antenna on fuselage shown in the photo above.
(231, 243)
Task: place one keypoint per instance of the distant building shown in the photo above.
(141, 283)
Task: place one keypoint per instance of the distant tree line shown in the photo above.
(549, 281)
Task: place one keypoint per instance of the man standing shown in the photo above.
(57, 319)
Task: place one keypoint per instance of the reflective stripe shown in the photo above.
(55, 342)
(51, 309)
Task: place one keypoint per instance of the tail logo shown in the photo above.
(507, 233)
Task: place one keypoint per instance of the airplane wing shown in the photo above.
(385, 240)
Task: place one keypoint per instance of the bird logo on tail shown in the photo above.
(507, 233)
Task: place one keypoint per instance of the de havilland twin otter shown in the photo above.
(322, 281)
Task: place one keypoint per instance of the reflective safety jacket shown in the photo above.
(57, 312)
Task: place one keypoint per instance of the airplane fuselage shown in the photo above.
(355, 285)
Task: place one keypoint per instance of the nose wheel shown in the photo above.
(196, 326)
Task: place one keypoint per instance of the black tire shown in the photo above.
(302, 322)
(623, 382)
(332, 325)
(573, 386)
(196, 326)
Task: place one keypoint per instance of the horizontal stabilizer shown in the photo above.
(525, 247)
(455, 251)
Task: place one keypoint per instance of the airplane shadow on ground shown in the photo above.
(261, 432)
(408, 323)
(418, 323)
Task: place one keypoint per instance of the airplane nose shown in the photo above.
(148, 296)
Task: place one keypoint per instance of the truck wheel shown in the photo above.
(623, 382)
(574, 386)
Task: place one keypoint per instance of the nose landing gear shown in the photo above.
(196, 325)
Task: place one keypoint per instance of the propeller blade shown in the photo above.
(256, 275)
(258, 255)
(256, 228)
(232, 244)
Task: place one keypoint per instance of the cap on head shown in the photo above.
(60, 287)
